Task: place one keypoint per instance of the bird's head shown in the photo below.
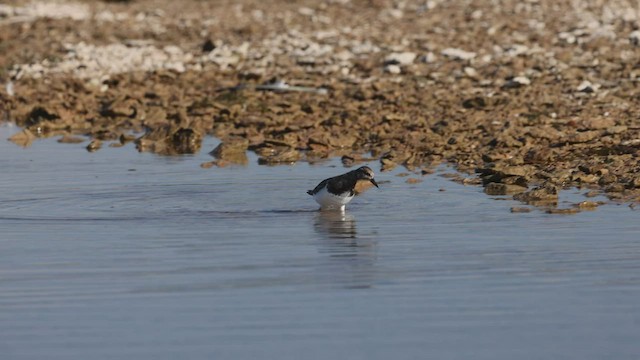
(365, 173)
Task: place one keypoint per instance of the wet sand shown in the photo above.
(530, 97)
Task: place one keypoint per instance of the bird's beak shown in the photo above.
(374, 183)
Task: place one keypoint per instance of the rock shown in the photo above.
(616, 130)
(458, 54)
(587, 87)
(403, 58)
(217, 163)
(387, 164)
(634, 37)
(471, 72)
(539, 196)
(607, 179)
(503, 189)
(567, 211)
(392, 69)
(520, 210)
(582, 137)
(68, 139)
(634, 182)
(516, 82)
(588, 205)
(208, 164)
(591, 194)
(94, 146)
(428, 58)
(126, 138)
(535, 156)
(208, 46)
(232, 150)
(597, 123)
(413, 181)
(186, 141)
(614, 188)
(287, 156)
(347, 161)
(474, 103)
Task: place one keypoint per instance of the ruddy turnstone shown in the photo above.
(336, 192)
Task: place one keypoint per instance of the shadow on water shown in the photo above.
(352, 259)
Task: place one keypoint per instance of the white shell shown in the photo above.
(328, 200)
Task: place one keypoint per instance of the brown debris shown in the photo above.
(553, 108)
(233, 150)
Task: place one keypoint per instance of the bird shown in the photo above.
(336, 192)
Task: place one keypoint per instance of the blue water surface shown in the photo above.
(124, 255)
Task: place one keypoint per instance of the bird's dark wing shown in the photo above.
(317, 188)
(341, 184)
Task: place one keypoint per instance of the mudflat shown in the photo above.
(532, 96)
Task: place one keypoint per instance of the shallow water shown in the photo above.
(121, 255)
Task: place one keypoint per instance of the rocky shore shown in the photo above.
(530, 96)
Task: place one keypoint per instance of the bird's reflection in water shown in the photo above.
(352, 258)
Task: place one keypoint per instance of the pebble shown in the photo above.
(587, 87)
(404, 58)
(458, 54)
(94, 146)
(567, 211)
(392, 69)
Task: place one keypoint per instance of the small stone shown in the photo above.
(68, 139)
(284, 156)
(428, 58)
(95, 145)
(520, 210)
(233, 150)
(387, 164)
(474, 103)
(615, 188)
(592, 193)
(619, 129)
(597, 123)
(348, 161)
(588, 205)
(582, 137)
(403, 58)
(568, 211)
(607, 179)
(392, 69)
(634, 37)
(458, 54)
(587, 87)
(471, 72)
(539, 196)
(503, 189)
(208, 46)
(413, 181)
(635, 182)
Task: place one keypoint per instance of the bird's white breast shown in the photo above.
(328, 200)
